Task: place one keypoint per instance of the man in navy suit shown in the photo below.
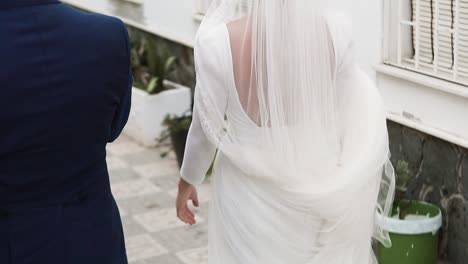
(65, 88)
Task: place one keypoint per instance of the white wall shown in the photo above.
(174, 20)
(368, 19)
(171, 19)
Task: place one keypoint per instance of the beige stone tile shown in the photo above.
(142, 247)
(133, 188)
(124, 146)
(160, 168)
(115, 163)
(194, 256)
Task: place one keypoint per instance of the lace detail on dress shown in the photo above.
(213, 133)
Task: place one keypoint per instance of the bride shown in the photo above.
(297, 133)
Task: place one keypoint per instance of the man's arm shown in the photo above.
(123, 110)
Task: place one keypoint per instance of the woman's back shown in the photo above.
(299, 130)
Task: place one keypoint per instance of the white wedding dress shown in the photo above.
(261, 211)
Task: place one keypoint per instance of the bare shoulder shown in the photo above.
(237, 27)
(237, 30)
(240, 38)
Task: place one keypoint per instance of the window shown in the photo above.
(429, 37)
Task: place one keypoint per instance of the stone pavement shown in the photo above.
(145, 187)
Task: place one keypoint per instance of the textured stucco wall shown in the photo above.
(441, 177)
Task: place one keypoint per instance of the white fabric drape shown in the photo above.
(302, 163)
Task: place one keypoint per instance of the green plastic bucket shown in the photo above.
(414, 241)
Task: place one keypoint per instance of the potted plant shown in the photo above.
(176, 130)
(154, 97)
(413, 227)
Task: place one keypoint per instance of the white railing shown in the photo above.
(438, 32)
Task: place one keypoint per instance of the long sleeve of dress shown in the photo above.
(210, 61)
(199, 152)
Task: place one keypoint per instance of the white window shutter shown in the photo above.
(463, 31)
(437, 33)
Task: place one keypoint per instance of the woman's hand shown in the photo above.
(186, 192)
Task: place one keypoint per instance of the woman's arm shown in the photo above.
(199, 152)
(200, 149)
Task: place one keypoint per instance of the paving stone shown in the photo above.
(124, 146)
(143, 157)
(132, 228)
(164, 259)
(143, 247)
(115, 163)
(194, 256)
(133, 188)
(144, 203)
(159, 168)
(166, 183)
(184, 237)
(124, 174)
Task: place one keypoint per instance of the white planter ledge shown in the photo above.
(138, 2)
(148, 112)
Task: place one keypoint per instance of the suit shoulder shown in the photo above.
(95, 35)
(107, 26)
(116, 29)
(94, 25)
(88, 17)
(108, 22)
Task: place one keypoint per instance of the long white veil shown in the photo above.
(312, 126)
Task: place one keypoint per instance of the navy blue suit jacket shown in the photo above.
(65, 88)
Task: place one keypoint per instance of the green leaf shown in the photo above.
(159, 64)
(152, 85)
(169, 62)
(152, 56)
(135, 60)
